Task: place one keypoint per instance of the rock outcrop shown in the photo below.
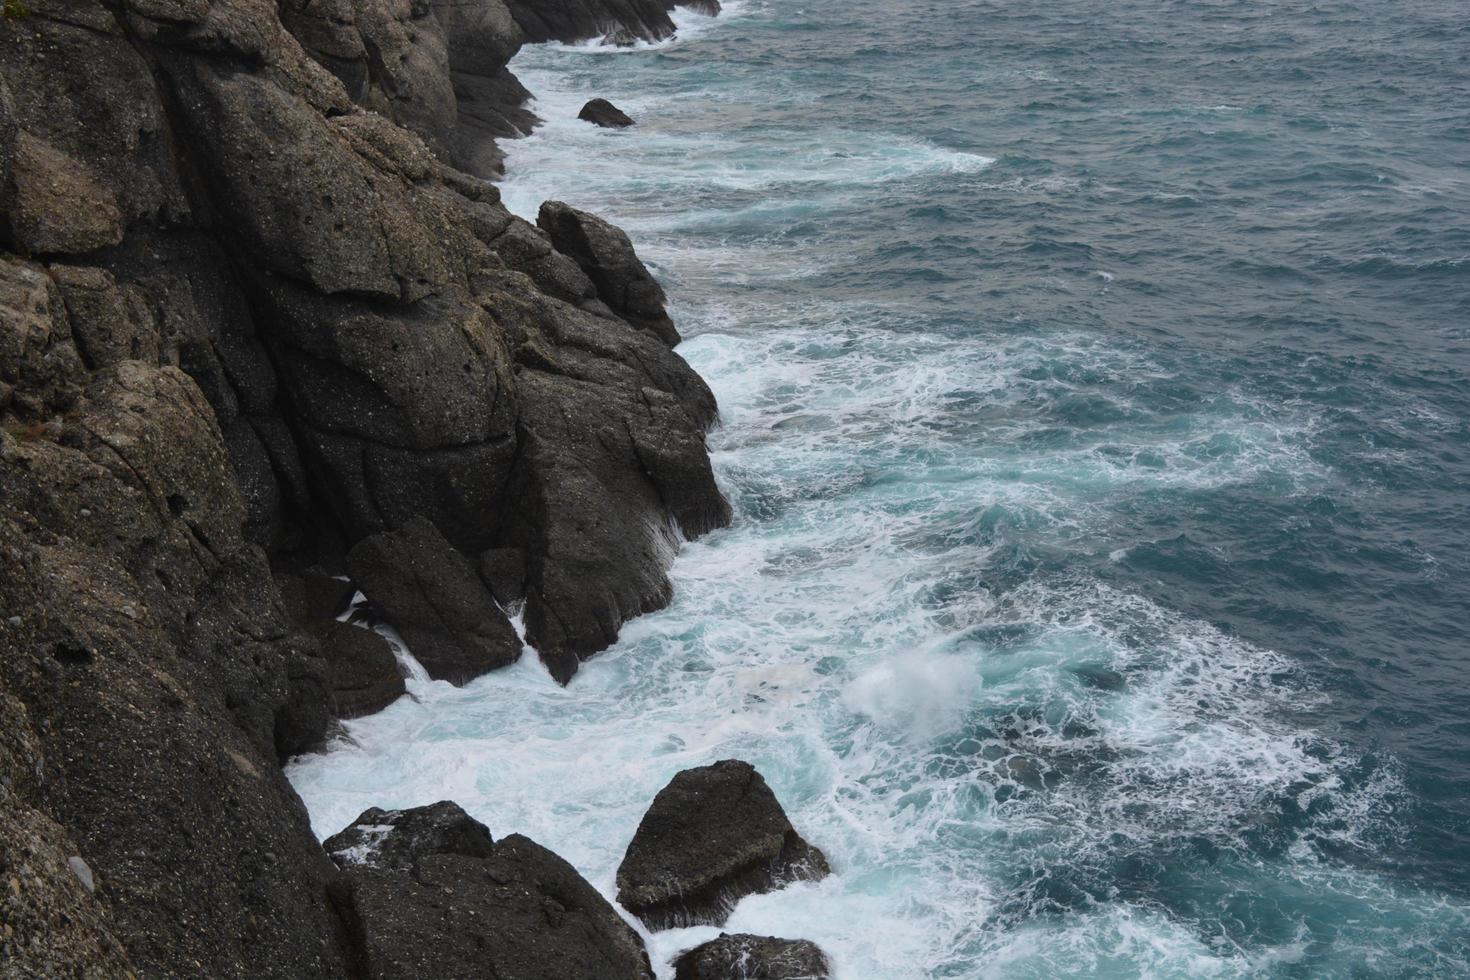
(362, 673)
(712, 836)
(250, 316)
(428, 893)
(434, 598)
(605, 254)
(746, 957)
(601, 112)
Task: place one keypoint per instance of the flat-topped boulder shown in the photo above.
(746, 957)
(435, 599)
(712, 836)
(427, 892)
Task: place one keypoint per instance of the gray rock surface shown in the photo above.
(430, 894)
(263, 318)
(603, 113)
(746, 957)
(712, 836)
(434, 598)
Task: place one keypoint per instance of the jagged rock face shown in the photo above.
(433, 596)
(257, 326)
(430, 894)
(144, 641)
(604, 253)
(570, 20)
(712, 836)
(601, 112)
(746, 957)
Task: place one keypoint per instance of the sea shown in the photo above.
(1094, 382)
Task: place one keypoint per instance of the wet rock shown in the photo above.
(432, 596)
(362, 672)
(603, 113)
(503, 570)
(712, 836)
(710, 8)
(428, 893)
(576, 20)
(746, 957)
(606, 255)
(395, 840)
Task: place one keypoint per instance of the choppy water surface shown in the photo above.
(1094, 390)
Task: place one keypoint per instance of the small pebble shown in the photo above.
(86, 512)
(14, 620)
(83, 873)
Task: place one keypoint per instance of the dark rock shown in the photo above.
(362, 671)
(301, 722)
(150, 669)
(432, 596)
(604, 113)
(503, 570)
(712, 836)
(746, 957)
(604, 253)
(429, 894)
(710, 8)
(620, 37)
(395, 840)
(311, 595)
(577, 20)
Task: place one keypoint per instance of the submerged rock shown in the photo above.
(603, 113)
(433, 597)
(712, 836)
(428, 893)
(746, 957)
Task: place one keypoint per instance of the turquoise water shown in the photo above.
(1094, 396)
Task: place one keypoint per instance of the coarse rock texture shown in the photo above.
(712, 836)
(150, 679)
(251, 315)
(363, 675)
(604, 253)
(603, 113)
(430, 894)
(433, 597)
(746, 957)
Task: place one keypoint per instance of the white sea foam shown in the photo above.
(980, 752)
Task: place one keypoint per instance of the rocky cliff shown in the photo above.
(258, 307)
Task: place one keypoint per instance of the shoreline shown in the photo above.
(233, 341)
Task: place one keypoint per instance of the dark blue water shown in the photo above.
(1095, 391)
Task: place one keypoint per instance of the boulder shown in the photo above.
(603, 113)
(361, 670)
(712, 836)
(432, 596)
(710, 8)
(313, 596)
(428, 893)
(746, 957)
(605, 254)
